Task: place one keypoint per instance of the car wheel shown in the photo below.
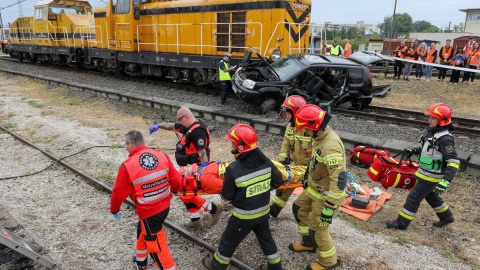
(363, 103)
(267, 105)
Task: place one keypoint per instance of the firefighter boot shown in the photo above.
(194, 224)
(216, 215)
(307, 244)
(275, 210)
(212, 264)
(444, 222)
(317, 266)
(136, 266)
(393, 224)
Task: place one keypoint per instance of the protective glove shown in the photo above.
(326, 216)
(154, 128)
(441, 187)
(116, 215)
(410, 151)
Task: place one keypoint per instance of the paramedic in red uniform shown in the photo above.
(148, 177)
(193, 148)
(248, 181)
(438, 165)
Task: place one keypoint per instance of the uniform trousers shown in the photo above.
(234, 234)
(309, 211)
(422, 190)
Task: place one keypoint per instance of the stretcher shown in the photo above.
(209, 180)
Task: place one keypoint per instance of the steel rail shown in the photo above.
(92, 181)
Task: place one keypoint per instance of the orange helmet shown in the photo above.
(310, 116)
(442, 112)
(244, 137)
(293, 103)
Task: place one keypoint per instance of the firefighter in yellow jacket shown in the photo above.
(295, 148)
(324, 190)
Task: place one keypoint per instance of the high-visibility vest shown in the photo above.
(348, 50)
(409, 54)
(445, 54)
(402, 51)
(335, 50)
(474, 58)
(224, 75)
(431, 56)
(186, 147)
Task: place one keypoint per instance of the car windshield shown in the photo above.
(287, 66)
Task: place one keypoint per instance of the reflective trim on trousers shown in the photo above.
(251, 214)
(221, 259)
(328, 253)
(440, 209)
(276, 200)
(303, 230)
(407, 214)
(274, 258)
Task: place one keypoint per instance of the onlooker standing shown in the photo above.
(409, 55)
(421, 56)
(398, 66)
(458, 61)
(336, 49)
(431, 58)
(439, 163)
(446, 54)
(225, 78)
(149, 178)
(248, 181)
(469, 46)
(472, 63)
(348, 49)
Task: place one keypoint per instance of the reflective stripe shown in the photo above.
(317, 156)
(303, 138)
(195, 215)
(453, 164)
(156, 197)
(373, 171)
(336, 195)
(442, 208)
(328, 253)
(253, 177)
(279, 201)
(142, 251)
(150, 176)
(221, 259)
(283, 155)
(317, 194)
(424, 175)
(332, 156)
(303, 230)
(407, 214)
(251, 214)
(273, 259)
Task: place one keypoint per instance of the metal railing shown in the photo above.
(198, 27)
(88, 33)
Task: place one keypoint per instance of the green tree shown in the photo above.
(420, 26)
(458, 28)
(403, 25)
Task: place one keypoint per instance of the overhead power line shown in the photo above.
(13, 4)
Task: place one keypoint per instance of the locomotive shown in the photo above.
(180, 40)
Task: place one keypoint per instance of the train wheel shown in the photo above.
(197, 78)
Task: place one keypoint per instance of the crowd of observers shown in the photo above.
(461, 57)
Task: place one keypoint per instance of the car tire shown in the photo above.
(268, 105)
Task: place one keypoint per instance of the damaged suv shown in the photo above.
(320, 79)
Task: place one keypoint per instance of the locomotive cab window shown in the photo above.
(40, 13)
(123, 7)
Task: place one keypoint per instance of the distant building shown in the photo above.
(360, 25)
(472, 21)
(375, 45)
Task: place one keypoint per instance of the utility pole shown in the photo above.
(391, 28)
(20, 8)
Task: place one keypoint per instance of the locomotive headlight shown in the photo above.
(248, 84)
(276, 54)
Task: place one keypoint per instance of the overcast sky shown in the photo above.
(437, 12)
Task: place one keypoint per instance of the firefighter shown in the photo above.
(438, 165)
(295, 147)
(248, 181)
(324, 188)
(193, 148)
(148, 177)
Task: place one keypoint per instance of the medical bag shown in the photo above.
(393, 172)
(364, 156)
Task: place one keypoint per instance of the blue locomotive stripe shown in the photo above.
(217, 8)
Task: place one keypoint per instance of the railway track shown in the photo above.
(465, 126)
(106, 189)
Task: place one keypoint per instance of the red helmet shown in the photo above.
(293, 103)
(244, 137)
(442, 112)
(309, 116)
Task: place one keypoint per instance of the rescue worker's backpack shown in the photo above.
(392, 172)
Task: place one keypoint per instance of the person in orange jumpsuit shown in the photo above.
(148, 177)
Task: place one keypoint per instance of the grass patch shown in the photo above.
(51, 138)
(30, 133)
(35, 103)
(107, 178)
(402, 240)
(46, 113)
(11, 125)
